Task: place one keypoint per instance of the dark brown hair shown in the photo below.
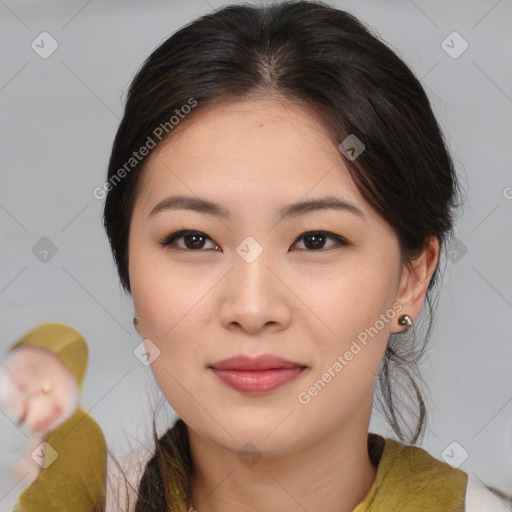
(329, 61)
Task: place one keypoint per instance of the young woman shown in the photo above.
(279, 196)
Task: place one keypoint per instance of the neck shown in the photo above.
(332, 474)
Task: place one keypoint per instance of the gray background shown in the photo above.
(59, 117)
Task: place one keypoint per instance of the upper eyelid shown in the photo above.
(182, 232)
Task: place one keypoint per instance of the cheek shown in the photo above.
(171, 317)
(351, 337)
(169, 297)
(347, 301)
(178, 372)
(157, 293)
(170, 312)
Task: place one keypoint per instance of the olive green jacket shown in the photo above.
(409, 479)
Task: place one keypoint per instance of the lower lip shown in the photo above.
(257, 381)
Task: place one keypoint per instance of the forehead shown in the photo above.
(247, 150)
(251, 120)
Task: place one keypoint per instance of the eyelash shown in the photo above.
(170, 239)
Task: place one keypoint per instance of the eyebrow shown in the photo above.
(291, 210)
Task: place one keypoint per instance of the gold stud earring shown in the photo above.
(46, 387)
(405, 321)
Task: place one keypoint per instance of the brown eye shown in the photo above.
(196, 240)
(315, 240)
(192, 240)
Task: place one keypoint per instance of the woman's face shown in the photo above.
(266, 289)
(30, 369)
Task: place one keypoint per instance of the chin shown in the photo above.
(264, 439)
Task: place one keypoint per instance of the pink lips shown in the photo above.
(256, 375)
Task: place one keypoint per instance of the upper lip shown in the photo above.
(262, 362)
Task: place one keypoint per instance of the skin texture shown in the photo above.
(301, 303)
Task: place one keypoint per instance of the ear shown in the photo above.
(414, 281)
(136, 322)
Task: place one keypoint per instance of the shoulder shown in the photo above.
(480, 499)
(419, 467)
(436, 481)
(410, 475)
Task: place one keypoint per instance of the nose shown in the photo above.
(254, 297)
